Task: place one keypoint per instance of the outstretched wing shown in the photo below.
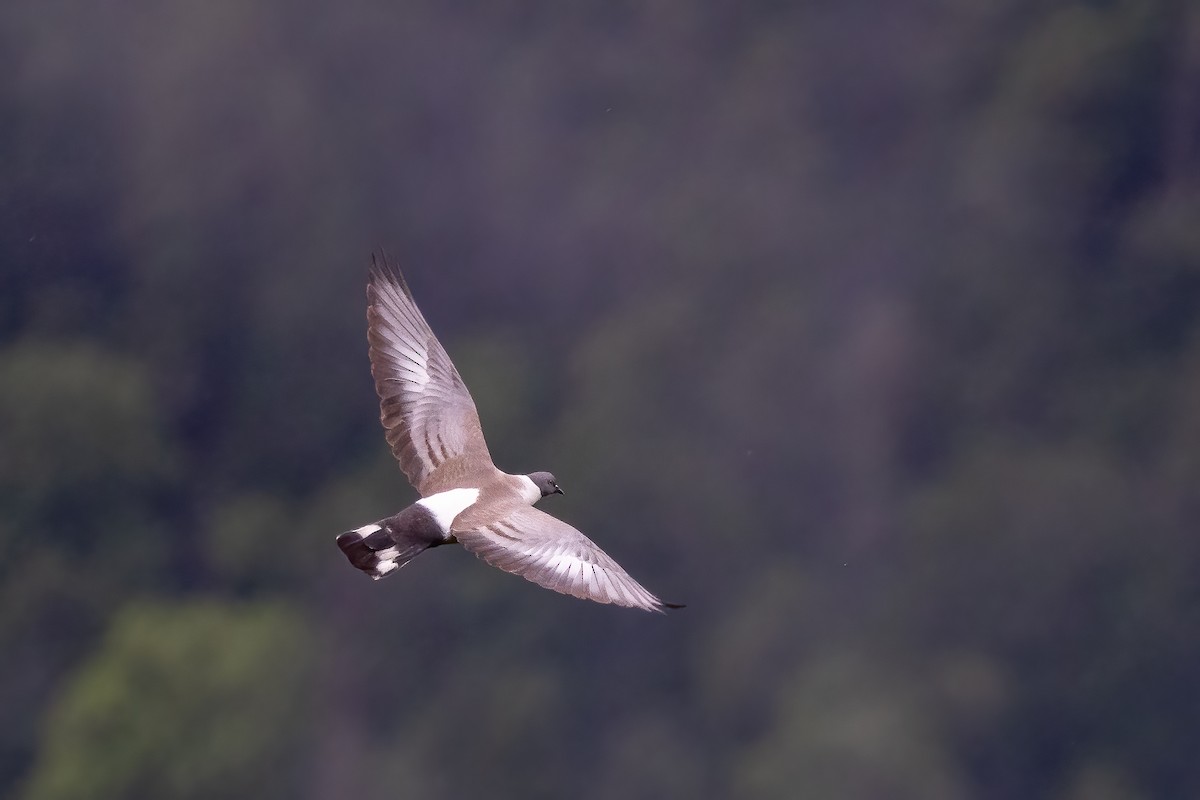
(554, 555)
(431, 422)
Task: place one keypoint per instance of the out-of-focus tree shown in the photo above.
(848, 727)
(85, 473)
(192, 701)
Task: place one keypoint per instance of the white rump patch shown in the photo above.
(445, 506)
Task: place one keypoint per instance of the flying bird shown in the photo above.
(433, 429)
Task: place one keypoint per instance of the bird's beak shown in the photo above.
(558, 490)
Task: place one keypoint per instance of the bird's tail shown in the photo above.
(374, 550)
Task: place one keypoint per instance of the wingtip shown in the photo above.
(384, 269)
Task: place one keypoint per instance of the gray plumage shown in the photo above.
(433, 430)
(431, 422)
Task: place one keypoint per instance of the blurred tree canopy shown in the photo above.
(194, 701)
(870, 330)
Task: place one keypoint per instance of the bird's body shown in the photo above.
(434, 432)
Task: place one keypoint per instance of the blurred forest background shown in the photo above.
(870, 330)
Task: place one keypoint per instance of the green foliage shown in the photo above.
(77, 426)
(85, 465)
(846, 727)
(191, 701)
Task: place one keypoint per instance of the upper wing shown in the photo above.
(552, 554)
(430, 418)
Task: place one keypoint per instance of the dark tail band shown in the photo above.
(373, 550)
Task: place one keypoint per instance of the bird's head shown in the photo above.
(545, 482)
